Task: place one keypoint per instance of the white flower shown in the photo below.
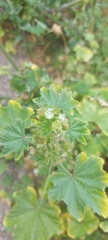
(49, 113)
(61, 117)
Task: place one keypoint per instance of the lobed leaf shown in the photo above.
(92, 111)
(77, 130)
(88, 225)
(31, 221)
(58, 98)
(14, 139)
(13, 111)
(85, 187)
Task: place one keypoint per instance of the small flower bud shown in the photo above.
(56, 126)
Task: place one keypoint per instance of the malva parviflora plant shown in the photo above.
(73, 189)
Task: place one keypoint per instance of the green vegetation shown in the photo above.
(58, 124)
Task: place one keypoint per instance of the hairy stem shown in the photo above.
(46, 184)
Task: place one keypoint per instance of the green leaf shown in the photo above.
(13, 111)
(89, 36)
(97, 144)
(77, 130)
(31, 79)
(89, 79)
(85, 187)
(100, 93)
(88, 225)
(3, 167)
(104, 226)
(39, 29)
(97, 235)
(57, 98)
(31, 221)
(14, 139)
(7, 180)
(83, 53)
(18, 84)
(92, 111)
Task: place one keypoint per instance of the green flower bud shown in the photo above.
(56, 126)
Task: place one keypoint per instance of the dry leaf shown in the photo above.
(57, 29)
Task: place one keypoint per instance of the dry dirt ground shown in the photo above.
(6, 93)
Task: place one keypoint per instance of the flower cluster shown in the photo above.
(49, 114)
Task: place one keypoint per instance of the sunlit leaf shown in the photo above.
(77, 130)
(31, 221)
(83, 53)
(92, 111)
(84, 187)
(13, 111)
(104, 226)
(15, 139)
(87, 226)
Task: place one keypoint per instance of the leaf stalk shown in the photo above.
(46, 184)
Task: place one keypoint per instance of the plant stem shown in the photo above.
(67, 5)
(54, 154)
(8, 57)
(46, 184)
(62, 166)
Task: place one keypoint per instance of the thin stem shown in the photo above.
(8, 57)
(67, 5)
(46, 184)
(65, 41)
(54, 154)
(62, 166)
